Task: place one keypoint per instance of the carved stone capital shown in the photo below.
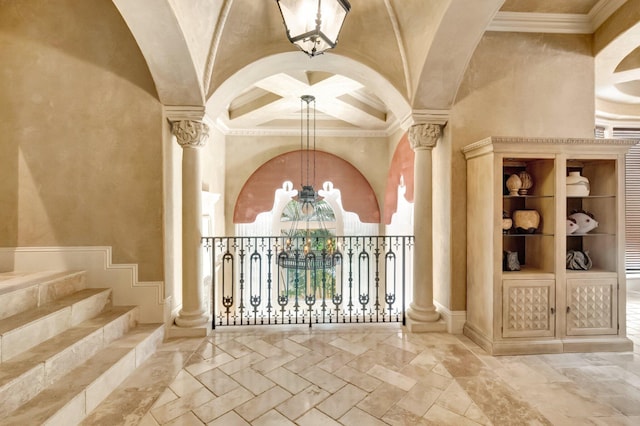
(424, 136)
(190, 133)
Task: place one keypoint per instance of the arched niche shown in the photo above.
(256, 195)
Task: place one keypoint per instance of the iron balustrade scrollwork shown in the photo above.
(301, 280)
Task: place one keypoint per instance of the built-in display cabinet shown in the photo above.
(545, 245)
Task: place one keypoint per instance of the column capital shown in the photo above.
(190, 133)
(424, 136)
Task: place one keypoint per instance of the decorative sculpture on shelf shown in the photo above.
(527, 182)
(514, 184)
(510, 261)
(584, 220)
(578, 260)
(572, 225)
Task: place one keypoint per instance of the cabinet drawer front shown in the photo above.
(526, 308)
(592, 306)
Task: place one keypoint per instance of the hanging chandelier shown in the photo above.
(313, 25)
(303, 250)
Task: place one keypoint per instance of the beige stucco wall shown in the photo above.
(81, 133)
(213, 175)
(244, 154)
(516, 84)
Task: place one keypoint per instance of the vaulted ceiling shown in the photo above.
(394, 57)
(272, 104)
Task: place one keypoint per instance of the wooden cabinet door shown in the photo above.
(528, 308)
(592, 306)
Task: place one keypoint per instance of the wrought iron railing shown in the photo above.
(298, 280)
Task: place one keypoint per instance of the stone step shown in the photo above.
(130, 402)
(21, 291)
(68, 400)
(21, 332)
(24, 376)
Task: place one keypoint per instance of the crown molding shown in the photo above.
(514, 141)
(563, 23)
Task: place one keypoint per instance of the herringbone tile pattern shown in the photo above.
(375, 375)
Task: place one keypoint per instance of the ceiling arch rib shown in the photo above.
(456, 37)
(346, 90)
(155, 27)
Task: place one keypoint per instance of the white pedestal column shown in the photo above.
(422, 315)
(191, 135)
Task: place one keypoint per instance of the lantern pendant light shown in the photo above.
(313, 25)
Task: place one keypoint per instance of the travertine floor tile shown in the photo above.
(302, 402)
(381, 399)
(342, 401)
(176, 408)
(217, 407)
(316, 418)
(393, 378)
(217, 382)
(272, 418)
(262, 403)
(253, 381)
(229, 419)
(187, 419)
(323, 379)
(357, 417)
(363, 375)
(288, 380)
(184, 383)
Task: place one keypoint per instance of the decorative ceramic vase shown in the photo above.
(514, 184)
(527, 182)
(526, 221)
(577, 185)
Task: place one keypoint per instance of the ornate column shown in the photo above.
(191, 135)
(422, 314)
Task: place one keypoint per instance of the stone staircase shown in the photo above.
(64, 347)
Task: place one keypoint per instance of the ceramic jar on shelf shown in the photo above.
(526, 221)
(577, 185)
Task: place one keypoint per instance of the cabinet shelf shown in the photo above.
(528, 235)
(544, 307)
(589, 197)
(591, 234)
(516, 197)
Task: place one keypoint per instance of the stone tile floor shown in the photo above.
(376, 375)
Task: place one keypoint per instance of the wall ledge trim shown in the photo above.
(101, 272)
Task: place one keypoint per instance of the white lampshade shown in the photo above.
(313, 25)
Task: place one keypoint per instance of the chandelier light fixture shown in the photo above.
(304, 249)
(313, 25)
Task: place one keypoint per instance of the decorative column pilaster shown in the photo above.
(422, 314)
(191, 135)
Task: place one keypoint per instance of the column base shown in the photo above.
(423, 320)
(414, 326)
(192, 319)
(198, 331)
